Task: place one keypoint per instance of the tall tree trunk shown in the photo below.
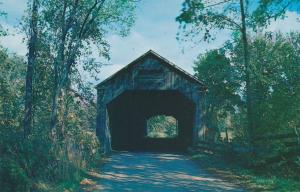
(63, 114)
(61, 85)
(57, 86)
(226, 132)
(32, 49)
(65, 62)
(54, 107)
(247, 73)
(58, 64)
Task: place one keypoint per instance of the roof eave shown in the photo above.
(161, 58)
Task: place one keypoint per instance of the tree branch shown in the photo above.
(219, 3)
(82, 31)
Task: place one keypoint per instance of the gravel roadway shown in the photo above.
(127, 171)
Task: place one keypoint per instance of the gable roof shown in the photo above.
(163, 60)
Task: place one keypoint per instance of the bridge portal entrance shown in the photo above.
(128, 115)
(148, 87)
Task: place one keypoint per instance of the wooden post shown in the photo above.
(102, 130)
(197, 119)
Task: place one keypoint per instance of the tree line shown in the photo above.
(252, 81)
(48, 110)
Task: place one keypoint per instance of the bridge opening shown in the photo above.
(162, 126)
(133, 117)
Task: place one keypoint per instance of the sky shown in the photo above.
(155, 28)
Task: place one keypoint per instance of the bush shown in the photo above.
(13, 177)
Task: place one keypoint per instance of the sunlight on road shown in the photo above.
(155, 172)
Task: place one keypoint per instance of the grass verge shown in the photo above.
(249, 179)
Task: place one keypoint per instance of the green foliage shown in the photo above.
(275, 68)
(162, 126)
(13, 177)
(223, 83)
(39, 158)
(11, 86)
(3, 31)
(272, 9)
(75, 30)
(276, 87)
(274, 61)
(201, 19)
(68, 33)
(249, 178)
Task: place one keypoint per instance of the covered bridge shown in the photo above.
(150, 85)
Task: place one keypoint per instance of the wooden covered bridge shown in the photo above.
(150, 85)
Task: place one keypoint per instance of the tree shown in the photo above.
(269, 10)
(12, 67)
(3, 31)
(276, 67)
(62, 35)
(23, 162)
(275, 61)
(11, 86)
(162, 126)
(32, 51)
(203, 18)
(73, 28)
(223, 83)
(220, 15)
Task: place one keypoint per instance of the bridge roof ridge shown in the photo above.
(172, 65)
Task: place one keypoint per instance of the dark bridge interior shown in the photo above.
(128, 114)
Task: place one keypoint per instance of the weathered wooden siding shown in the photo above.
(148, 73)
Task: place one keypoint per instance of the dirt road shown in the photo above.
(157, 172)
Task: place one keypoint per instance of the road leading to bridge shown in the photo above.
(157, 172)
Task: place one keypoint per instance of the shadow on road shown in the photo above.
(127, 171)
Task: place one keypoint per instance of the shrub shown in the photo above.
(13, 177)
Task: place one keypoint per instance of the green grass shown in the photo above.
(248, 178)
(78, 183)
(66, 186)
